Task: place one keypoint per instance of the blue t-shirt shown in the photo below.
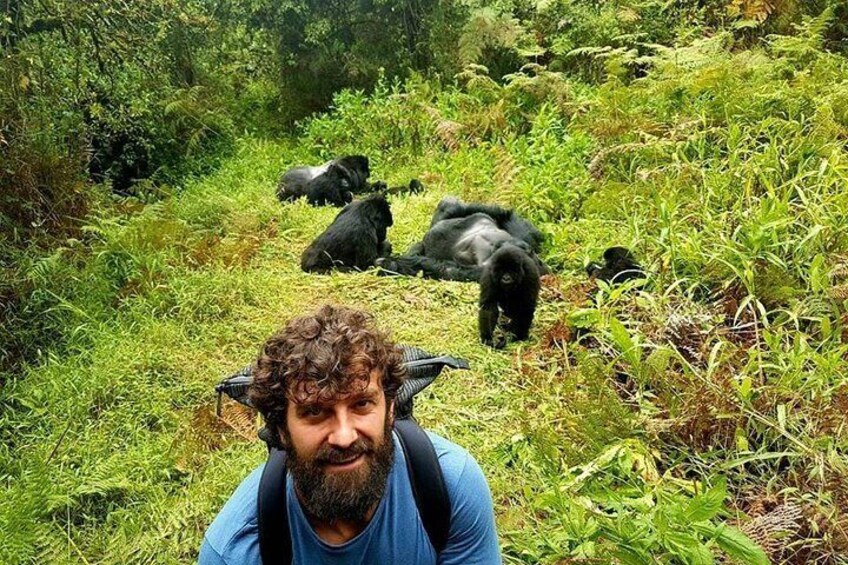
(395, 533)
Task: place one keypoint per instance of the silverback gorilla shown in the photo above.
(355, 239)
(461, 239)
(335, 182)
(484, 243)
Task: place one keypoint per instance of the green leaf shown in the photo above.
(745, 387)
(706, 505)
(757, 457)
(584, 318)
(819, 280)
(741, 440)
(688, 548)
(733, 542)
(624, 342)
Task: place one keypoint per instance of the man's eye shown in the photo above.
(311, 411)
(364, 403)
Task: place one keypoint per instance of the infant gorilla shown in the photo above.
(619, 265)
(355, 239)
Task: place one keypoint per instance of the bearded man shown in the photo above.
(327, 384)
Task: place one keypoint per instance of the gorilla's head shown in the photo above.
(358, 170)
(376, 209)
(511, 264)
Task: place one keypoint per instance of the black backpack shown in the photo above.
(422, 464)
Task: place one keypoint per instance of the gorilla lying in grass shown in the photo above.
(461, 239)
(335, 182)
(488, 244)
(355, 239)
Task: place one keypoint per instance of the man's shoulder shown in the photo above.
(473, 537)
(454, 460)
(237, 518)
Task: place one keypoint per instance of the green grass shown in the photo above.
(709, 398)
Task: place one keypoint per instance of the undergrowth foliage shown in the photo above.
(696, 418)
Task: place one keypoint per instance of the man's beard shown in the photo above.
(343, 495)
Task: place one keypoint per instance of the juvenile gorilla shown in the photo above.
(619, 265)
(354, 240)
(414, 187)
(335, 182)
(509, 282)
(461, 239)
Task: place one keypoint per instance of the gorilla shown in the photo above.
(619, 265)
(462, 238)
(509, 282)
(335, 182)
(355, 239)
(414, 187)
(518, 227)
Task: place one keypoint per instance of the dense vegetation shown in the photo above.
(144, 256)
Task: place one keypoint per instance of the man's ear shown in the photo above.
(390, 412)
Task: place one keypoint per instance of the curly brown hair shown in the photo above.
(328, 354)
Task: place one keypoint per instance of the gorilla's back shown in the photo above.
(293, 182)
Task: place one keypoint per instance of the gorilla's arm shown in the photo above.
(430, 268)
(487, 319)
(453, 208)
(522, 229)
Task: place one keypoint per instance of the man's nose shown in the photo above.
(343, 433)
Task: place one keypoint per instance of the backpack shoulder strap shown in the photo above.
(428, 482)
(275, 545)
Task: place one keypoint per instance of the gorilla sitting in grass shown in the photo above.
(355, 239)
(619, 266)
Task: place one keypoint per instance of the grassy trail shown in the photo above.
(714, 398)
(118, 457)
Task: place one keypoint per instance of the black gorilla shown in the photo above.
(354, 240)
(509, 282)
(518, 227)
(332, 187)
(414, 187)
(335, 182)
(619, 265)
(461, 239)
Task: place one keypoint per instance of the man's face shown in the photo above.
(340, 452)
